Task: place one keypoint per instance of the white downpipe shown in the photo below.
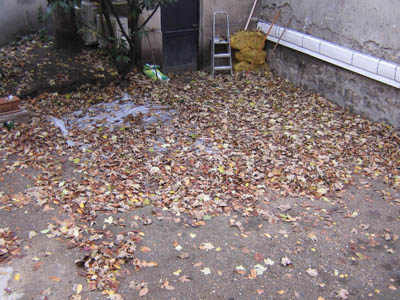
(355, 61)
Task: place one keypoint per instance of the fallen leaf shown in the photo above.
(145, 249)
(258, 257)
(149, 264)
(312, 236)
(37, 266)
(281, 292)
(343, 294)
(284, 207)
(285, 261)
(147, 221)
(165, 285)
(184, 278)
(240, 270)
(32, 234)
(253, 274)
(177, 272)
(206, 271)
(183, 255)
(55, 278)
(78, 288)
(143, 291)
(116, 297)
(238, 224)
(206, 246)
(109, 220)
(260, 269)
(312, 272)
(269, 262)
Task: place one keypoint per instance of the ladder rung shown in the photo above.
(221, 55)
(218, 40)
(220, 68)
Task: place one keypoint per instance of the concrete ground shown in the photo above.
(250, 188)
(344, 249)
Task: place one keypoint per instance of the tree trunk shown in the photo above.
(133, 23)
(66, 32)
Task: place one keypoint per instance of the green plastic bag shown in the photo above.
(153, 71)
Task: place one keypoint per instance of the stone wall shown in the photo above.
(152, 41)
(369, 26)
(18, 17)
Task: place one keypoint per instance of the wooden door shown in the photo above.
(180, 33)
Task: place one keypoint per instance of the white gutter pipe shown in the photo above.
(364, 64)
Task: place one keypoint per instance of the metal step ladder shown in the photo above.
(222, 41)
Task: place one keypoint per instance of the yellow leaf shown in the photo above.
(177, 272)
(79, 288)
(312, 236)
(17, 277)
(82, 205)
(109, 292)
(322, 191)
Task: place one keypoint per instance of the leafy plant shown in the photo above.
(42, 18)
(125, 52)
(67, 5)
(129, 52)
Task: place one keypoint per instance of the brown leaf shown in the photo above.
(185, 278)
(143, 291)
(145, 249)
(37, 265)
(253, 274)
(149, 264)
(55, 278)
(167, 286)
(258, 257)
(183, 255)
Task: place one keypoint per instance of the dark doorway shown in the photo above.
(180, 33)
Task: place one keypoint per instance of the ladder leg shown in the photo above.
(213, 49)
(229, 43)
(212, 58)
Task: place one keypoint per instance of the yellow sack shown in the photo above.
(248, 39)
(253, 56)
(244, 66)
